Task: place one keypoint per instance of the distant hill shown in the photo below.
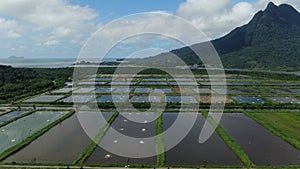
(271, 40)
(16, 57)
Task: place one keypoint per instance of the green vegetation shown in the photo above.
(31, 138)
(93, 145)
(230, 142)
(285, 125)
(160, 143)
(16, 83)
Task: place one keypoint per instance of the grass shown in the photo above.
(285, 125)
(160, 143)
(93, 144)
(230, 142)
(31, 138)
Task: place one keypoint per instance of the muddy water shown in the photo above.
(131, 129)
(190, 152)
(61, 144)
(263, 147)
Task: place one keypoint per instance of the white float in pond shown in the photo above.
(115, 141)
(107, 156)
(13, 140)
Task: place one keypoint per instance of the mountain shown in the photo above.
(271, 40)
(16, 57)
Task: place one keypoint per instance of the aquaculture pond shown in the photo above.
(19, 130)
(104, 90)
(184, 83)
(112, 98)
(64, 142)
(246, 83)
(189, 152)
(11, 115)
(142, 90)
(122, 83)
(163, 90)
(284, 100)
(122, 90)
(144, 99)
(215, 83)
(154, 79)
(227, 91)
(145, 127)
(181, 99)
(202, 90)
(154, 83)
(44, 98)
(83, 90)
(248, 99)
(78, 99)
(263, 147)
(63, 90)
(296, 91)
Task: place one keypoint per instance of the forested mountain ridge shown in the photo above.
(271, 40)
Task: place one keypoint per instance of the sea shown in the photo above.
(45, 62)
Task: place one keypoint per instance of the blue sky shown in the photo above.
(60, 28)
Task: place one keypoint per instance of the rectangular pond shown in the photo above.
(215, 83)
(78, 99)
(189, 152)
(11, 115)
(142, 90)
(122, 90)
(91, 83)
(182, 99)
(227, 91)
(111, 99)
(145, 99)
(104, 90)
(284, 100)
(17, 131)
(44, 98)
(263, 147)
(83, 90)
(296, 91)
(184, 83)
(154, 83)
(248, 99)
(163, 90)
(154, 79)
(63, 143)
(246, 83)
(141, 127)
(202, 90)
(122, 83)
(63, 90)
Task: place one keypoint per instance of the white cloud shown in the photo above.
(51, 43)
(47, 21)
(47, 13)
(9, 29)
(216, 18)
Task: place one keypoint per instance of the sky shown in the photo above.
(60, 28)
